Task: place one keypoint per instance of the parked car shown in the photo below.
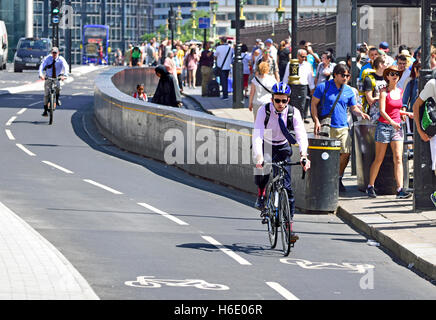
(30, 53)
(3, 45)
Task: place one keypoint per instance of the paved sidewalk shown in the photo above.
(387, 221)
(33, 269)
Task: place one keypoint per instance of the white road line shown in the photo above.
(77, 93)
(227, 251)
(57, 167)
(10, 121)
(164, 214)
(23, 110)
(102, 186)
(19, 145)
(285, 293)
(9, 134)
(30, 105)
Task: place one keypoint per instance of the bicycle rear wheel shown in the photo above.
(51, 108)
(285, 222)
(270, 211)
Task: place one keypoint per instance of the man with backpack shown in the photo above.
(136, 57)
(278, 125)
(224, 57)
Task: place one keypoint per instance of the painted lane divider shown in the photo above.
(282, 291)
(9, 134)
(227, 251)
(164, 214)
(12, 119)
(19, 145)
(102, 186)
(57, 167)
(23, 110)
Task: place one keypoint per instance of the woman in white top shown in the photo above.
(246, 57)
(260, 92)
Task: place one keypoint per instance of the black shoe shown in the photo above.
(260, 203)
(306, 121)
(264, 220)
(45, 113)
(403, 194)
(370, 191)
(341, 186)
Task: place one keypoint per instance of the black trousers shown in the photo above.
(279, 153)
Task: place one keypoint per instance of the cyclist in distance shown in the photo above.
(278, 125)
(53, 66)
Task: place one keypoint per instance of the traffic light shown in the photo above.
(55, 11)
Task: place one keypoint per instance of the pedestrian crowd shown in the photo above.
(386, 93)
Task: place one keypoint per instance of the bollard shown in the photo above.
(319, 191)
(364, 138)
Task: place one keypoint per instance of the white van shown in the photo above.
(3, 45)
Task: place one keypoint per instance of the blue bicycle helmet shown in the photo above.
(281, 88)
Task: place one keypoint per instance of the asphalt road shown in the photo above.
(138, 229)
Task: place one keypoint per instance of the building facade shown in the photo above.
(128, 21)
(13, 13)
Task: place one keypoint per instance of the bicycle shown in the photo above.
(276, 210)
(51, 106)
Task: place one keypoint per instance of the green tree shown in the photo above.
(185, 29)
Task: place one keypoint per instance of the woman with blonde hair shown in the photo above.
(260, 92)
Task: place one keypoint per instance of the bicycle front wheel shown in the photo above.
(270, 212)
(285, 222)
(51, 108)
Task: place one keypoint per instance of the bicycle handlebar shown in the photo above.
(281, 164)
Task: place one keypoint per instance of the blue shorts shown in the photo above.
(385, 133)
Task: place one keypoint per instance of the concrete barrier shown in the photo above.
(201, 144)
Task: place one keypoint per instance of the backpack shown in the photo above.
(427, 114)
(213, 89)
(366, 73)
(290, 120)
(136, 53)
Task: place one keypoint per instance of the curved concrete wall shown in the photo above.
(201, 144)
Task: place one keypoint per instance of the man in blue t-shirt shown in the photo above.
(326, 94)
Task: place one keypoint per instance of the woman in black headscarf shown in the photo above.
(167, 91)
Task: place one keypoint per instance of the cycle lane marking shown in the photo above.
(226, 250)
(9, 134)
(23, 110)
(102, 186)
(57, 167)
(12, 119)
(282, 291)
(163, 213)
(30, 153)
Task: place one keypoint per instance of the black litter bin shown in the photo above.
(318, 192)
(364, 138)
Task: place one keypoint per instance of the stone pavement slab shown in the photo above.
(33, 269)
(390, 222)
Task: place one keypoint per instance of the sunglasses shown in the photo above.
(347, 75)
(394, 74)
(281, 100)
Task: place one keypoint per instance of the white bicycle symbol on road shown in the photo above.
(351, 267)
(151, 282)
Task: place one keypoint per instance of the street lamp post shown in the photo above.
(179, 22)
(214, 9)
(298, 96)
(280, 11)
(424, 181)
(193, 11)
(238, 97)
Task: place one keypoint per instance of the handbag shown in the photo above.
(217, 70)
(427, 113)
(327, 120)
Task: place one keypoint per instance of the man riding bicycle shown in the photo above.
(273, 137)
(53, 66)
